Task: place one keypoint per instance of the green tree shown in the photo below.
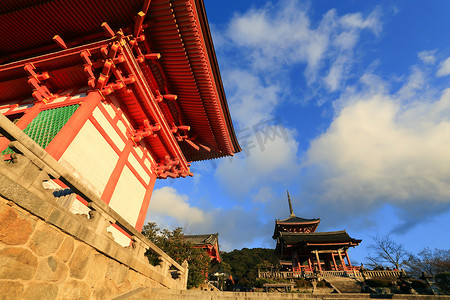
(245, 263)
(172, 242)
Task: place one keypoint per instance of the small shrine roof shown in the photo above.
(202, 239)
(317, 238)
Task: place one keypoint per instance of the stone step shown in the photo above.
(345, 285)
(165, 294)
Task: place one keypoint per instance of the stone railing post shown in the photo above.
(184, 274)
(164, 266)
(99, 220)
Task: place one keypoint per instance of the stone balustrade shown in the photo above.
(22, 193)
(366, 274)
(382, 273)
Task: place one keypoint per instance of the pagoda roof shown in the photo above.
(177, 30)
(202, 239)
(294, 220)
(318, 238)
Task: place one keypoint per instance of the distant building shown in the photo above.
(209, 242)
(300, 248)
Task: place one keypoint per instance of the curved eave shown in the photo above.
(218, 78)
(179, 31)
(30, 26)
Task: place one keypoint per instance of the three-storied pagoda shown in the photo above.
(119, 92)
(301, 248)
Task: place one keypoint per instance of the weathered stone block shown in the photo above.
(104, 289)
(14, 229)
(122, 273)
(41, 290)
(51, 269)
(65, 251)
(79, 263)
(97, 269)
(75, 289)
(10, 290)
(45, 240)
(17, 263)
(113, 267)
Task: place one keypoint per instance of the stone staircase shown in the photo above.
(165, 294)
(344, 284)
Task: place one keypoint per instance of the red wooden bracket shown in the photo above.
(153, 56)
(138, 24)
(170, 97)
(88, 67)
(148, 130)
(107, 29)
(41, 93)
(60, 41)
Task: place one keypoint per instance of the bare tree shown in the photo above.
(429, 261)
(386, 251)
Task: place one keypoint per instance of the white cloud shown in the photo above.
(444, 69)
(278, 37)
(251, 100)
(379, 148)
(428, 56)
(268, 155)
(264, 195)
(168, 206)
(169, 209)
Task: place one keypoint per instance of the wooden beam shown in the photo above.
(334, 262)
(344, 267)
(146, 6)
(138, 23)
(348, 259)
(60, 41)
(318, 260)
(107, 29)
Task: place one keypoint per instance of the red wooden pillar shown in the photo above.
(342, 261)
(348, 259)
(115, 175)
(310, 264)
(334, 262)
(144, 207)
(318, 260)
(66, 135)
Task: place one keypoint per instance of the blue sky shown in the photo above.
(344, 103)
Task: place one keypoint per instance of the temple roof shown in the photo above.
(202, 239)
(296, 220)
(317, 238)
(178, 30)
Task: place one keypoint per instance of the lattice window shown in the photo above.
(47, 124)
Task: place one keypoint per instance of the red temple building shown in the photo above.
(209, 242)
(120, 92)
(301, 248)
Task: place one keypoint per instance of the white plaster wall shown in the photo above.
(128, 196)
(110, 131)
(91, 157)
(139, 169)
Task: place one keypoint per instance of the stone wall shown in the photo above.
(39, 261)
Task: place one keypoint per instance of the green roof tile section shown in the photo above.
(47, 124)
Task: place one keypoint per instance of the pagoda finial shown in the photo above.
(290, 206)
